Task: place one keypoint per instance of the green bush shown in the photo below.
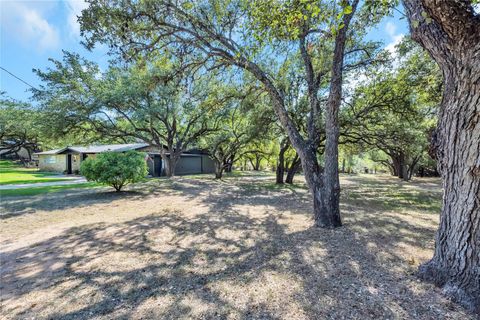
(115, 169)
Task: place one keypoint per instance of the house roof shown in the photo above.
(54, 151)
(98, 148)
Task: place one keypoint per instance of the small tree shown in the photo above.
(115, 169)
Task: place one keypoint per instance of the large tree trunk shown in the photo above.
(325, 216)
(456, 262)
(219, 167)
(452, 37)
(399, 165)
(170, 164)
(170, 168)
(330, 190)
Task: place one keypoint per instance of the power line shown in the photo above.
(28, 84)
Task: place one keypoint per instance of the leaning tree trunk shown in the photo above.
(399, 166)
(396, 166)
(412, 166)
(228, 163)
(280, 172)
(452, 37)
(292, 170)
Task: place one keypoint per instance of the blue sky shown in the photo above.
(31, 32)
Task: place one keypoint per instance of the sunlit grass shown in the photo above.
(10, 173)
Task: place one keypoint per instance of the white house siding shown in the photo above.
(52, 162)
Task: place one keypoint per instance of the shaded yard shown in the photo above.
(242, 248)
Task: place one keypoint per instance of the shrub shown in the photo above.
(115, 169)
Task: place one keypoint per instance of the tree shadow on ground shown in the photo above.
(18, 206)
(231, 261)
(195, 188)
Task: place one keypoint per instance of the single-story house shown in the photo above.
(67, 160)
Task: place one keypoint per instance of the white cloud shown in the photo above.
(75, 8)
(28, 26)
(391, 30)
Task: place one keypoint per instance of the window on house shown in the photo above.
(51, 159)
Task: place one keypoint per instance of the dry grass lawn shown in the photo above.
(241, 248)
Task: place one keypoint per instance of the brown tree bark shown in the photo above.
(399, 165)
(293, 170)
(170, 164)
(451, 35)
(228, 163)
(403, 168)
(219, 167)
(280, 172)
(327, 195)
(255, 162)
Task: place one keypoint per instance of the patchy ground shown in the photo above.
(242, 248)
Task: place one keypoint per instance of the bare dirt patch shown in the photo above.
(242, 248)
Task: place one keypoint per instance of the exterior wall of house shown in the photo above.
(52, 162)
(208, 166)
(58, 162)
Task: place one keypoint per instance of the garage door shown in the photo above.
(189, 165)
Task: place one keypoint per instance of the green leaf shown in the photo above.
(187, 5)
